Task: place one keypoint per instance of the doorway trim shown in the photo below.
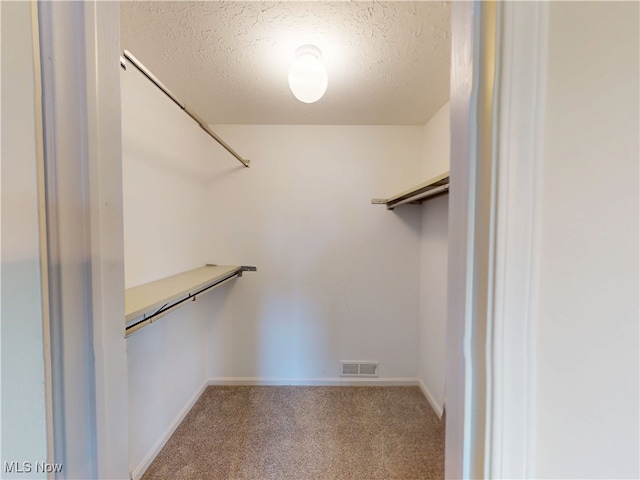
(499, 57)
(84, 239)
(521, 92)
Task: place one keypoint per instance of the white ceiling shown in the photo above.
(388, 62)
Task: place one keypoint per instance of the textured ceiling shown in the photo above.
(388, 62)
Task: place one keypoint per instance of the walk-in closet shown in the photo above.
(327, 221)
(319, 240)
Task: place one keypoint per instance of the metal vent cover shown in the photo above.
(358, 369)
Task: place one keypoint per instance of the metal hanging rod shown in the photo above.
(145, 71)
(169, 307)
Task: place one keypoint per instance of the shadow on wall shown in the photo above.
(176, 161)
(410, 216)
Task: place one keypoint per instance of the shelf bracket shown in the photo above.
(247, 268)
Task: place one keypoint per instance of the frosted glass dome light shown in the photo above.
(307, 76)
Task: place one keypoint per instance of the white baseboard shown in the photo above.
(137, 472)
(431, 399)
(327, 382)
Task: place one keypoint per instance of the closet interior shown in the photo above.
(333, 279)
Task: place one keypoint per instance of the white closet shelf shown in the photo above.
(418, 194)
(146, 303)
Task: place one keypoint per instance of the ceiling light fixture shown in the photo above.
(307, 76)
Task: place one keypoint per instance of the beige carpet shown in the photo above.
(304, 433)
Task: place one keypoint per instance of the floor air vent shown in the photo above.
(358, 369)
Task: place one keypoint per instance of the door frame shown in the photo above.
(84, 237)
(499, 57)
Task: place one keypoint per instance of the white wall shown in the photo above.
(587, 337)
(337, 278)
(167, 159)
(23, 407)
(433, 263)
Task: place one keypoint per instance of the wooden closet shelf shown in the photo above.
(150, 301)
(431, 188)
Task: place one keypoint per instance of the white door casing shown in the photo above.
(521, 72)
(80, 46)
(497, 90)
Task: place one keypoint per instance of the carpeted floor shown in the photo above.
(304, 433)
